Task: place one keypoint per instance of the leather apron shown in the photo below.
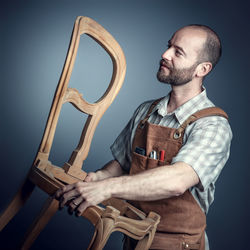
(183, 222)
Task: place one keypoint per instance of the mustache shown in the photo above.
(165, 64)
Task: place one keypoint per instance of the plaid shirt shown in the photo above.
(206, 142)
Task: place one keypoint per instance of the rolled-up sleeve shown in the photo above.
(206, 149)
(121, 148)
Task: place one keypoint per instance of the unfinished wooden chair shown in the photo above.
(116, 215)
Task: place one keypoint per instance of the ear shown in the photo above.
(203, 69)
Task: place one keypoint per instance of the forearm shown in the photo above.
(111, 169)
(155, 184)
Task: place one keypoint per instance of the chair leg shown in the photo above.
(103, 229)
(49, 209)
(17, 203)
(144, 243)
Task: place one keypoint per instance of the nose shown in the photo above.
(167, 55)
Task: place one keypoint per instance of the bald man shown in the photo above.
(172, 150)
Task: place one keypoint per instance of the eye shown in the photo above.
(178, 53)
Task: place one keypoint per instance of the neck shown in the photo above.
(181, 94)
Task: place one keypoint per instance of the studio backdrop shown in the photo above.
(34, 39)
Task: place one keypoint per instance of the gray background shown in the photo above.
(34, 41)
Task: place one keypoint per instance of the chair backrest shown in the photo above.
(63, 94)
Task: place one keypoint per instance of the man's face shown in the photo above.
(176, 76)
(180, 60)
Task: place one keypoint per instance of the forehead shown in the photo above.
(190, 39)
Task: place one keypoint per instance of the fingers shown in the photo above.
(70, 195)
(83, 205)
(67, 197)
(78, 209)
(63, 190)
(65, 194)
(74, 204)
(77, 205)
(81, 195)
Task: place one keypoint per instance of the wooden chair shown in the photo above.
(118, 215)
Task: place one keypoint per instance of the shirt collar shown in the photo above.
(184, 111)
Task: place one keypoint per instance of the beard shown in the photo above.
(176, 77)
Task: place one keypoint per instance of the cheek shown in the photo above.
(183, 65)
(179, 64)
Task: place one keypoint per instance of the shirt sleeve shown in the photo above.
(206, 149)
(122, 146)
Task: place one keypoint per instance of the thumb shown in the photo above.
(90, 177)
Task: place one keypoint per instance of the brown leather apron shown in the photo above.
(183, 223)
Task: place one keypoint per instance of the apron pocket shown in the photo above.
(162, 163)
(139, 163)
(167, 242)
(173, 241)
(152, 163)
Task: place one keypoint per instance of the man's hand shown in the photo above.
(91, 176)
(154, 184)
(80, 195)
(95, 189)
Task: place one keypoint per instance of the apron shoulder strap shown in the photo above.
(212, 111)
(151, 109)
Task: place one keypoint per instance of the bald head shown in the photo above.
(211, 47)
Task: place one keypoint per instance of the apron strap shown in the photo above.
(212, 111)
(150, 110)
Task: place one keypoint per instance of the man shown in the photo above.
(182, 160)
